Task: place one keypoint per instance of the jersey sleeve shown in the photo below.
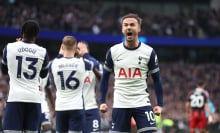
(89, 65)
(155, 73)
(153, 63)
(44, 70)
(205, 97)
(108, 66)
(4, 67)
(90, 58)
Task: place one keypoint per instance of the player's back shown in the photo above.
(24, 61)
(69, 75)
(197, 99)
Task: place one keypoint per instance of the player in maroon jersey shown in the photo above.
(195, 107)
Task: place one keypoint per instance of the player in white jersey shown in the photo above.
(24, 62)
(68, 75)
(92, 117)
(45, 122)
(132, 61)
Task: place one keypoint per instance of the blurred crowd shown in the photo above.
(98, 17)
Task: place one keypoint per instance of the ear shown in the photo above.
(75, 47)
(139, 28)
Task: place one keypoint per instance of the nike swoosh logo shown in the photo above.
(151, 123)
(119, 59)
(95, 130)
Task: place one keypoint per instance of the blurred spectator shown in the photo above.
(3, 98)
(87, 16)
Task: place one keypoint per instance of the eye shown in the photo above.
(125, 25)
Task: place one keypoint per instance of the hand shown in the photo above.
(157, 110)
(211, 119)
(103, 108)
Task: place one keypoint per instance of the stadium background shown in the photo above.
(185, 34)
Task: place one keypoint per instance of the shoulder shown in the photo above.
(117, 46)
(39, 47)
(12, 44)
(146, 47)
(206, 93)
(54, 61)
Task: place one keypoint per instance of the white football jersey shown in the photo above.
(69, 75)
(24, 62)
(44, 83)
(131, 68)
(89, 92)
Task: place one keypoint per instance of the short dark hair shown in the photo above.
(132, 15)
(200, 82)
(86, 43)
(30, 29)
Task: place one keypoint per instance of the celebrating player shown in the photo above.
(24, 61)
(92, 122)
(69, 74)
(132, 61)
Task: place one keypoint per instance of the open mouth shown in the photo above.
(129, 34)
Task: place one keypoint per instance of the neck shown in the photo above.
(28, 40)
(132, 44)
(68, 54)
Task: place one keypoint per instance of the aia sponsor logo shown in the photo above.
(87, 80)
(129, 73)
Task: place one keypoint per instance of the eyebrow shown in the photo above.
(128, 23)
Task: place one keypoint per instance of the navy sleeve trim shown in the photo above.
(108, 61)
(158, 88)
(104, 85)
(89, 65)
(4, 67)
(44, 70)
(92, 59)
(59, 56)
(153, 63)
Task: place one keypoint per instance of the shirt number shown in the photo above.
(31, 67)
(68, 81)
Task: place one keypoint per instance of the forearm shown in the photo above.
(158, 88)
(104, 85)
(4, 69)
(50, 97)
